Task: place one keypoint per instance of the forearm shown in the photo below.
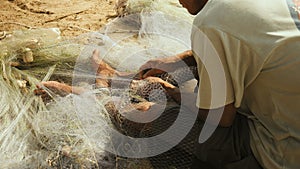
(158, 66)
(188, 58)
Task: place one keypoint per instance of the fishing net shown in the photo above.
(30, 137)
(75, 131)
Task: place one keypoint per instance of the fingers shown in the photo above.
(141, 73)
(154, 79)
(153, 68)
(152, 72)
(164, 83)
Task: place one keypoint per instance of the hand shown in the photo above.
(170, 89)
(157, 66)
(164, 84)
(169, 64)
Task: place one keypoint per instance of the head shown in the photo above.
(193, 6)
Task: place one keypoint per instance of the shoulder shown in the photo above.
(240, 13)
(255, 23)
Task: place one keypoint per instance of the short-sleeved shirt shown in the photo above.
(257, 44)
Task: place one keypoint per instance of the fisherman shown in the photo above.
(257, 43)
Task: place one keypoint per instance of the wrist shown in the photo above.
(185, 54)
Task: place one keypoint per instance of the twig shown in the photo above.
(123, 31)
(20, 24)
(64, 16)
(119, 31)
(80, 28)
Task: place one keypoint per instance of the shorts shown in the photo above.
(227, 148)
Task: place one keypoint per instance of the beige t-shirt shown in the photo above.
(249, 50)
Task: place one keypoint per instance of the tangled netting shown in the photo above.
(56, 135)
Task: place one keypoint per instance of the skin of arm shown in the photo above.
(188, 58)
(169, 64)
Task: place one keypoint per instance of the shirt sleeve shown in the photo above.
(226, 66)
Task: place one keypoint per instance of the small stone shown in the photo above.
(66, 150)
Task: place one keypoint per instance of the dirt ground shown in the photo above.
(73, 17)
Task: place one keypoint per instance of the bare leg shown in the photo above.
(60, 88)
(57, 88)
(105, 72)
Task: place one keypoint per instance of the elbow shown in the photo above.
(228, 116)
(226, 123)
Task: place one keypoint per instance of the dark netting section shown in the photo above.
(181, 155)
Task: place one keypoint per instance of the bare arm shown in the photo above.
(188, 58)
(169, 64)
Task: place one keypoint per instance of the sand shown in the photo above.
(72, 17)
